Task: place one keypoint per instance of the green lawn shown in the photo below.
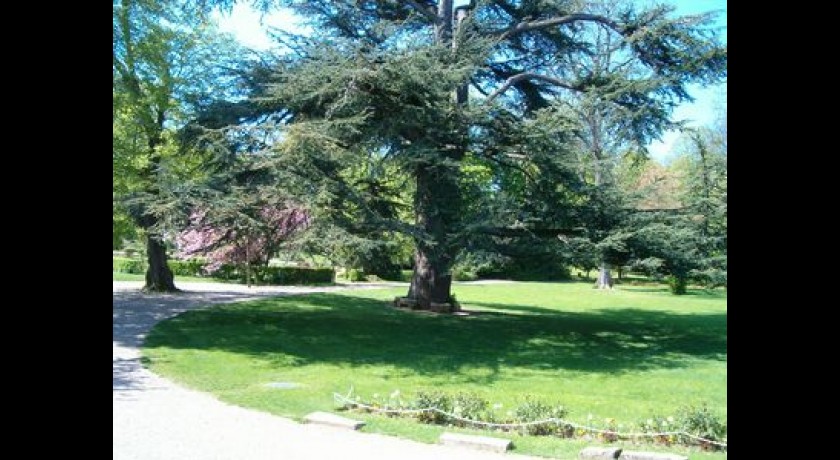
(626, 354)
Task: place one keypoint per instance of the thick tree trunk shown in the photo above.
(437, 203)
(431, 284)
(158, 276)
(604, 277)
(437, 207)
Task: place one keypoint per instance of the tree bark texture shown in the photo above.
(158, 276)
(437, 206)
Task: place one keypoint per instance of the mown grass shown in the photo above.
(626, 354)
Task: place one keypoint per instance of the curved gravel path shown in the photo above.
(157, 419)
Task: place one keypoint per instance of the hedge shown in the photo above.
(259, 275)
(277, 275)
(189, 267)
(129, 265)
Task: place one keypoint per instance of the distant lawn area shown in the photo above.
(626, 354)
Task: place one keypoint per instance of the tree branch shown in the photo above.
(527, 26)
(478, 87)
(526, 231)
(531, 76)
(424, 10)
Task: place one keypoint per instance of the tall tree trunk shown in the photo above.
(158, 276)
(437, 211)
(437, 203)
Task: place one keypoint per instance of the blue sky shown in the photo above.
(250, 29)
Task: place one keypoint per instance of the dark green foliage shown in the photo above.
(375, 142)
(462, 273)
(469, 264)
(123, 229)
(526, 259)
(276, 276)
(167, 57)
(129, 265)
(677, 284)
(666, 245)
(379, 260)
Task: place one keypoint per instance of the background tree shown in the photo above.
(242, 236)
(167, 57)
(678, 227)
(431, 89)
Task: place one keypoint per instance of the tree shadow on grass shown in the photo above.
(357, 331)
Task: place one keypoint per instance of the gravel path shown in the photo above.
(157, 419)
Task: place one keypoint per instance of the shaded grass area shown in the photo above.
(625, 354)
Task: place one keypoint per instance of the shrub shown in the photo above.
(697, 421)
(355, 275)
(274, 276)
(129, 265)
(405, 275)
(659, 424)
(701, 422)
(677, 284)
(463, 274)
(532, 410)
(472, 407)
(188, 267)
(435, 399)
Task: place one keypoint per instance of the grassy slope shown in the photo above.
(625, 354)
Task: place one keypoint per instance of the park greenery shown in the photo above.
(492, 139)
(630, 359)
(432, 142)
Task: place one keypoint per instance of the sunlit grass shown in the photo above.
(626, 354)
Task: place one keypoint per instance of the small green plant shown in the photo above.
(435, 399)
(472, 407)
(463, 274)
(532, 410)
(355, 275)
(697, 421)
(610, 431)
(188, 267)
(700, 421)
(658, 424)
(677, 284)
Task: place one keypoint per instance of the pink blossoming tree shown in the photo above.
(240, 239)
